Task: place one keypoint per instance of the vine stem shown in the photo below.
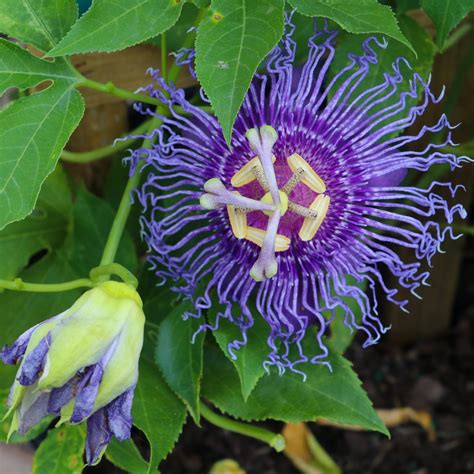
(19, 285)
(275, 440)
(116, 231)
(97, 154)
(112, 89)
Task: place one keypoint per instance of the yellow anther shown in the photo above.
(311, 225)
(246, 174)
(257, 236)
(267, 199)
(310, 177)
(238, 221)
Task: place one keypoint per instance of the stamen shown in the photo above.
(246, 174)
(266, 265)
(238, 221)
(218, 196)
(293, 181)
(258, 172)
(261, 141)
(301, 210)
(257, 236)
(310, 177)
(243, 210)
(310, 225)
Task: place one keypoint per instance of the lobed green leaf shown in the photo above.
(61, 452)
(41, 23)
(33, 131)
(249, 358)
(230, 44)
(446, 14)
(45, 228)
(336, 396)
(125, 455)
(111, 25)
(355, 16)
(93, 218)
(179, 359)
(158, 412)
(19, 68)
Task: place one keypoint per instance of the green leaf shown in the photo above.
(178, 32)
(179, 359)
(446, 14)
(33, 131)
(41, 23)
(230, 44)
(19, 68)
(125, 455)
(45, 228)
(20, 311)
(201, 3)
(406, 5)
(355, 16)
(341, 336)
(111, 25)
(158, 412)
(61, 451)
(5, 423)
(93, 218)
(250, 357)
(336, 396)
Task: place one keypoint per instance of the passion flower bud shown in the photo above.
(81, 365)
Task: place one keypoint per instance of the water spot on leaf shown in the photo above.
(222, 65)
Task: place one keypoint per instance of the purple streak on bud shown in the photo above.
(61, 396)
(119, 414)
(98, 436)
(88, 388)
(11, 355)
(32, 411)
(33, 364)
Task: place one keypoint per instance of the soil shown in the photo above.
(435, 375)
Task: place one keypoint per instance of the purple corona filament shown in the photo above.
(305, 206)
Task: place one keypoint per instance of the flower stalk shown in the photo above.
(19, 285)
(275, 440)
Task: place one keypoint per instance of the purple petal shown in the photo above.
(30, 414)
(87, 393)
(11, 355)
(34, 362)
(119, 414)
(394, 178)
(98, 436)
(61, 396)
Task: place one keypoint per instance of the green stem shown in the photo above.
(112, 89)
(128, 277)
(97, 154)
(19, 285)
(464, 229)
(115, 234)
(275, 440)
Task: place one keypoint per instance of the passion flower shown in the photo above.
(305, 206)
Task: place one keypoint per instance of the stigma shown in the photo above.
(275, 203)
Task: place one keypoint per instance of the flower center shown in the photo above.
(275, 202)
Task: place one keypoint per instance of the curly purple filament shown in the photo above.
(355, 143)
